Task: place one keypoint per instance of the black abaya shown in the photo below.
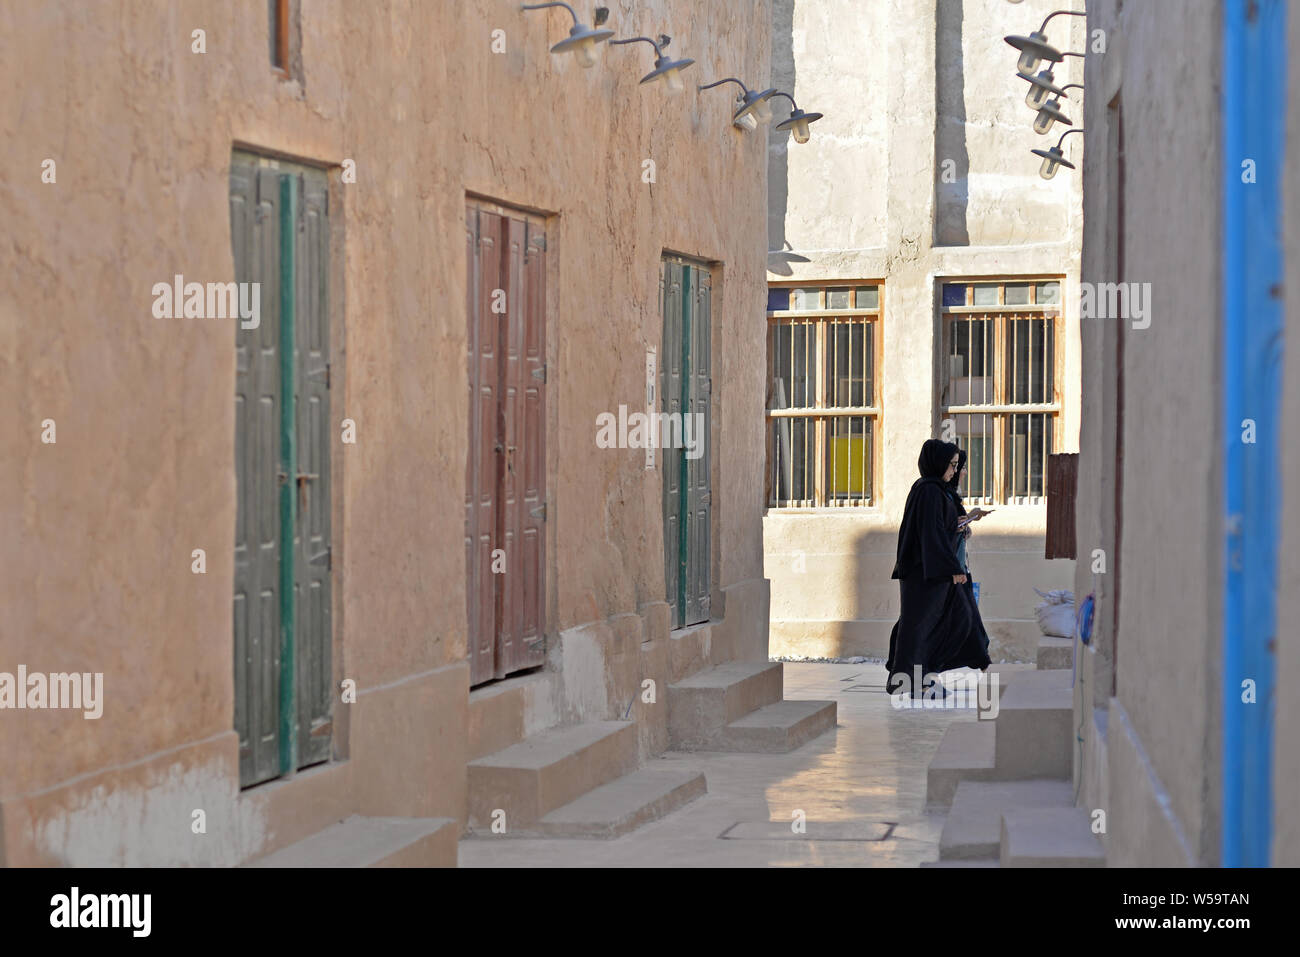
(939, 627)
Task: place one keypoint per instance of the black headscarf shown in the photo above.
(925, 535)
(935, 457)
(956, 477)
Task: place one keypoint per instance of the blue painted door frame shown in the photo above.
(1254, 141)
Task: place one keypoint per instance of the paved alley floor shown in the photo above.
(860, 786)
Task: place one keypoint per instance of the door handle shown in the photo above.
(510, 459)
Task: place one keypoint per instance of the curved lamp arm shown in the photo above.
(730, 79)
(1068, 13)
(553, 3)
(659, 45)
(1067, 133)
(793, 104)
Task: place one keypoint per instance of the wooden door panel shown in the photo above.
(243, 203)
(670, 368)
(509, 584)
(532, 452)
(255, 231)
(313, 629)
(473, 540)
(521, 468)
(484, 334)
(699, 491)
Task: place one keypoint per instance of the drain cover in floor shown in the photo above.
(813, 831)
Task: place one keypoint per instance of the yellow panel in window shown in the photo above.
(848, 461)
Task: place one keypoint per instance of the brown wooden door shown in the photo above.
(506, 467)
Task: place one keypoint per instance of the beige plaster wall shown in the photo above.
(100, 526)
(1161, 737)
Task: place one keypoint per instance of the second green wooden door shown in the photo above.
(685, 384)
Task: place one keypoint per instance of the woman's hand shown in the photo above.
(959, 579)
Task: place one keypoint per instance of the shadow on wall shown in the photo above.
(951, 160)
(1008, 566)
(832, 594)
(778, 161)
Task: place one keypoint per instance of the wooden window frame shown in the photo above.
(1000, 410)
(821, 413)
(281, 68)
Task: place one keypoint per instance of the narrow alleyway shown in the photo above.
(861, 787)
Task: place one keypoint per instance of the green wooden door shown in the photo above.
(685, 385)
(254, 224)
(698, 491)
(313, 559)
(279, 219)
(671, 457)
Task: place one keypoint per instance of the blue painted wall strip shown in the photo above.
(1254, 132)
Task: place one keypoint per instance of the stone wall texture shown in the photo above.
(99, 527)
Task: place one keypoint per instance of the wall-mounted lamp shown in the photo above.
(1041, 87)
(583, 41)
(1048, 114)
(752, 106)
(670, 71)
(1035, 47)
(798, 121)
(1054, 158)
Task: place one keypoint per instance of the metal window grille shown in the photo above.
(1001, 385)
(822, 406)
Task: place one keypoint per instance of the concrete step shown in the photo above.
(777, 728)
(496, 716)
(965, 754)
(547, 770)
(973, 829)
(1055, 653)
(1033, 727)
(700, 706)
(621, 806)
(1049, 837)
(373, 842)
(982, 862)
(689, 651)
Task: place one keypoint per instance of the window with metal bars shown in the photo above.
(822, 395)
(1000, 384)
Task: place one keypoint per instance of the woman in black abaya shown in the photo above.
(939, 627)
